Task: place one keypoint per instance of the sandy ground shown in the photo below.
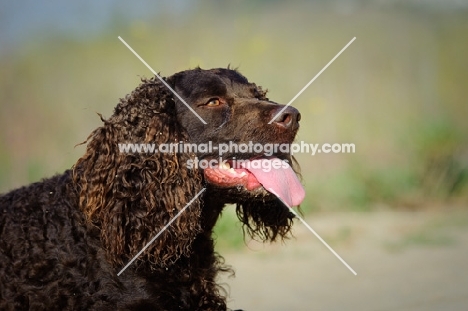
(403, 260)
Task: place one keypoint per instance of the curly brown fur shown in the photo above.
(119, 192)
(63, 240)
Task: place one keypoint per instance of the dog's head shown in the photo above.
(243, 149)
(131, 194)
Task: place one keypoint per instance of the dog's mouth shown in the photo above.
(272, 174)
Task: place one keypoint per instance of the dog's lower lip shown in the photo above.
(231, 178)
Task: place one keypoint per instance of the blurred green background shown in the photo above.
(399, 92)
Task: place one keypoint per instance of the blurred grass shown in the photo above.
(435, 232)
(228, 230)
(398, 93)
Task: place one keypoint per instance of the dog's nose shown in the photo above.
(288, 118)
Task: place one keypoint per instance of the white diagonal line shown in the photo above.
(323, 242)
(313, 79)
(160, 232)
(315, 233)
(161, 79)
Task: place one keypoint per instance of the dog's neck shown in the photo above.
(212, 208)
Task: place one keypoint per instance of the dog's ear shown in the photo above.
(131, 193)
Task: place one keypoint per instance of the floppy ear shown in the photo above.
(130, 196)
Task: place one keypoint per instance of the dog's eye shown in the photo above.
(213, 102)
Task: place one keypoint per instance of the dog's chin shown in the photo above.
(238, 193)
(264, 216)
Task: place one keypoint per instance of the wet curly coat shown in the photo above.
(63, 240)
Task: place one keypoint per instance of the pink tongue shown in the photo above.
(277, 177)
